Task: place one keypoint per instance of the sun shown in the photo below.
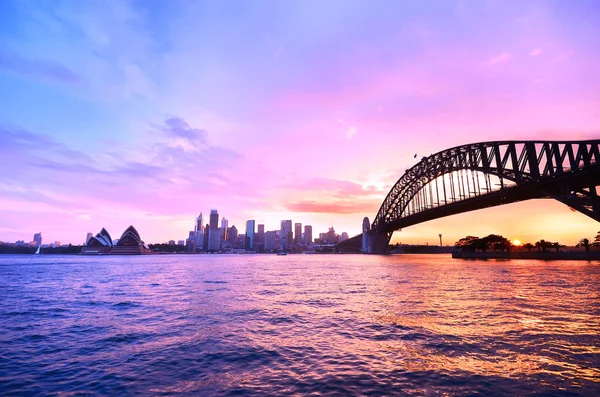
(516, 243)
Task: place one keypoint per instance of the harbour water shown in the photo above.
(298, 324)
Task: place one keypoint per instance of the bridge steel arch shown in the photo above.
(458, 180)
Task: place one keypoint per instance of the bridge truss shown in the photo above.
(487, 174)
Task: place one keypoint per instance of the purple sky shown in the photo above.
(149, 112)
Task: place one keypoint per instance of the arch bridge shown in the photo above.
(487, 174)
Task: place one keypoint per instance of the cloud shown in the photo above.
(46, 70)
(504, 57)
(183, 135)
(535, 52)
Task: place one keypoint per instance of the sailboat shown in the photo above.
(38, 250)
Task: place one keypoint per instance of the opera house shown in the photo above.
(130, 243)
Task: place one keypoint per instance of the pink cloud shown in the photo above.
(535, 52)
(502, 58)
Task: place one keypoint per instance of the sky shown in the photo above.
(118, 112)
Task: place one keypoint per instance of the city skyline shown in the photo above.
(137, 113)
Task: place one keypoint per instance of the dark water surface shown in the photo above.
(298, 324)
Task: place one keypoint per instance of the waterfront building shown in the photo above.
(214, 237)
(181, 242)
(205, 238)
(37, 238)
(366, 238)
(297, 233)
(224, 227)
(260, 234)
(286, 230)
(171, 242)
(232, 235)
(323, 238)
(88, 237)
(199, 233)
(271, 241)
(250, 235)
(130, 243)
(308, 239)
(332, 237)
(343, 237)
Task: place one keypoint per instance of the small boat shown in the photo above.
(282, 253)
(38, 251)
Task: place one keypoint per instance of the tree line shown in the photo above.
(496, 242)
(587, 243)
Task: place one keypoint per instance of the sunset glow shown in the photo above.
(116, 113)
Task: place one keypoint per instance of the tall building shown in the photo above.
(37, 238)
(271, 241)
(199, 233)
(198, 223)
(250, 235)
(297, 233)
(308, 239)
(214, 237)
(88, 237)
(232, 234)
(332, 237)
(224, 226)
(205, 237)
(343, 237)
(286, 229)
(260, 234)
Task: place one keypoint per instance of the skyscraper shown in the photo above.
(271, 241)
(308, 239)
(297, 233)
(260, 235)
(38, 239)
(224, 226)
(199, 233)
(250, 235)
(232, 234)
(286, 229)
(214, 237)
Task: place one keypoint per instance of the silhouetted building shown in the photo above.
(308, 239)
(297, 233)
(199, 233)
(37, 238)
(88, 237)
(130, 243)
(232, 234)
(250, 235)
(286, 230)
(366, 238)
(343, 237)
(214, 237)
(271, 241)
(205, 237)
(260, 234)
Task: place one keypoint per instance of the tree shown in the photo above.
(543, 245)
(528, 247)
(585, 243)
(468, 242)
(557, 246)
(597, 240)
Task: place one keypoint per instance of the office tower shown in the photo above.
(332, 238)
(37, 238)
(297, 233)
(88, 237)
(214, 237)
(199, 233)
(198, 223)
(224, 226)
(343, 237)
(286, 229)
(308, 239)
(271, 241)
(205, 237)
(232, 234)
(250, 235)
(260, 235)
